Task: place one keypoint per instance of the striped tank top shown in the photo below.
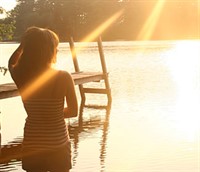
(45, 127)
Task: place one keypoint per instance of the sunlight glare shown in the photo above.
(150, 24)
(101, 28)
(36, 84)
(186, 116)
(184, 63)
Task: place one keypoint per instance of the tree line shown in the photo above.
(78, 18)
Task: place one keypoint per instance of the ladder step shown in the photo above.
(96, 90)
(96, 106)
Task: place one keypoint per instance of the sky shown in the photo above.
(8, 4)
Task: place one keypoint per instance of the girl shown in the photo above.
(44, 90)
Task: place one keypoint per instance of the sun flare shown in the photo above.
(150, 24)
(37, 83)
(100, 29)
(103, 26)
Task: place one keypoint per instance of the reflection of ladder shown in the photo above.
(91, 76)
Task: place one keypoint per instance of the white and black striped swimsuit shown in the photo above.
(45, 127)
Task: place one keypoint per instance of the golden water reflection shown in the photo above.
(158, 124)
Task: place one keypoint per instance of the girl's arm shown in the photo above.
(15, 57)
(72, 104)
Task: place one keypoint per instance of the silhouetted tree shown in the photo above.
(78, 18)
(6, 26)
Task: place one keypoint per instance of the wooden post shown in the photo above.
(74, 57)
(76, 67)
(104, 69)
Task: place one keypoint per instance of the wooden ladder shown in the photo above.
(92, 76)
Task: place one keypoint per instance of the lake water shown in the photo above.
(153, 123)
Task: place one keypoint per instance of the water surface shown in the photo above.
(153, 122)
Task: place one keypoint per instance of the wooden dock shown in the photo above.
(10, 90)
(80, 78)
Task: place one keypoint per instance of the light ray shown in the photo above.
(37, 83)
(101, 28)
(150, 24)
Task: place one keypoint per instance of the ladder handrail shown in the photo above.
(102, 57)
(74, 56)
(83, 90)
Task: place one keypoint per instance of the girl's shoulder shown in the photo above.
(64, 82)
(64, 74)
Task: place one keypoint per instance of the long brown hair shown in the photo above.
(39, 52)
